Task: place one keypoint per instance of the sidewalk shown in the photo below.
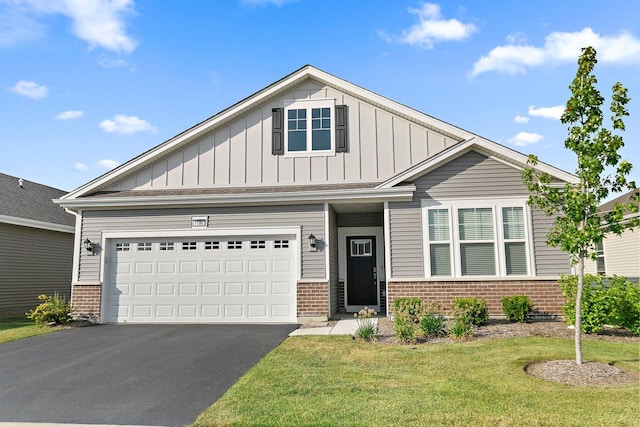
(343, 327)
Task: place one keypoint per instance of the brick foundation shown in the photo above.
(313, 299)
(544, 294)
(85, 300)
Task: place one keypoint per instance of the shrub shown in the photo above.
(517, 308)
(367, 329)
(625, 309)
(475, 312)
(462, 329)
(53, 309)
(432, 325)
(404, 328)
(410, 306)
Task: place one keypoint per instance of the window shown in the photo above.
(280, 244)
(258, 244)
(189, 246)
(600, 266)
(361, 247)
(488, 239)
(144, 247)
(122, 247)
(209, 246)
(234, 244)
(309, 127)
(166, 246)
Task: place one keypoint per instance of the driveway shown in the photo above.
(129, 374)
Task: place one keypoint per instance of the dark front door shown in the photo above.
(362, 289)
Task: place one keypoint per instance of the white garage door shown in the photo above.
(191, 280)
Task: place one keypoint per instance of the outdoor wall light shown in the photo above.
(88, 245)
(312, 241)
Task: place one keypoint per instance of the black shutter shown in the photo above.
(277, 128)
(342, 128)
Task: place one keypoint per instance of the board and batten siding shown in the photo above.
(238, 153)
(309, 217)
(33, 262)
(470, 176)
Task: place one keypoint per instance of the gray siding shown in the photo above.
(549, 261)
(406, 240)
(310, 217)
(364, 219)
(33, 262)
(470, 176)
(622, 254)
(238, 153)
(333, 262)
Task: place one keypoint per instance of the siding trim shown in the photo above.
(33, 223)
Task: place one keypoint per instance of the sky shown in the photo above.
(86, 85)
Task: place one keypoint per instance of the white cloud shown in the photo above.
(71, 114)
(107, 62)
(521, 119)
(431, 28)
(100, 23)
(30, 89)
(554, 112)
(107, 164)
(127, 125)
(558, 47)
(80, 166)
(522, 139)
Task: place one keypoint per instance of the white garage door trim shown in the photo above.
(293, 233)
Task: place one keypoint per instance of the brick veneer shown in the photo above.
(544, 294)
(85, 299)
(313, 299)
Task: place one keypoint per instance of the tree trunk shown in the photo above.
(578, 325)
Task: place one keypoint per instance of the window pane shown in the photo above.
(440, 259)
(297, 140)
(315, 124)
(315, 113)
(516, 258)
(438, 224)
(513, 223)
(477, 259)
(293, 114)
(321, 140)
(475, 223)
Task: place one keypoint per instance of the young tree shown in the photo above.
(578, 227)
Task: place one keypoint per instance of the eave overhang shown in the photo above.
(32, 223)
(400, 193)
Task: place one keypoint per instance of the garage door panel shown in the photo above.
(201, 280)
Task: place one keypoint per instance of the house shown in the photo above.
(312, 195)
(36, 244)
(618, 255)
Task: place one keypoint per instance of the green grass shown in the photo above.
(336, 381)
(18, 327)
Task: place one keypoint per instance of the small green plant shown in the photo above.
(411, 306)
(462, 329)
(367, 329)
(517, 308)
(625, 308)
(404, 328)
(53, 310)
(432, 325)
(473, 311)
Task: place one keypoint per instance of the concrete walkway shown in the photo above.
(343, 327)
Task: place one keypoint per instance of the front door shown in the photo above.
(362, 275)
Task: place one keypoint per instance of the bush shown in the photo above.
(412, 307)
(432, 325)
(53, 310)
(462, 329)
(517, 308)
(367, 329)
(605, 301)
(407, 313)
(474, 312)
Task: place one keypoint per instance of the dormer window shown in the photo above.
(309, 127)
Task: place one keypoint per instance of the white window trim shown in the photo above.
(308, 104)
(499, 241)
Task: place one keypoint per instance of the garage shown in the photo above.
(204, 279)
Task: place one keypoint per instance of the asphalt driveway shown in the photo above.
(133, 374)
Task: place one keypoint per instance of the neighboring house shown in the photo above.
(36, 244)
(311, 196)
(619, 255)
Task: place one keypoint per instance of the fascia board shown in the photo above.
(403, 193)
(23, 222)
(507, 156)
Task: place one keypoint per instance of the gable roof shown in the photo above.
(625, 199)
(31, 205)
(241, 107)
(484, 146)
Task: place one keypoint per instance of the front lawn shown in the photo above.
(335, 381)
(18, 327)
